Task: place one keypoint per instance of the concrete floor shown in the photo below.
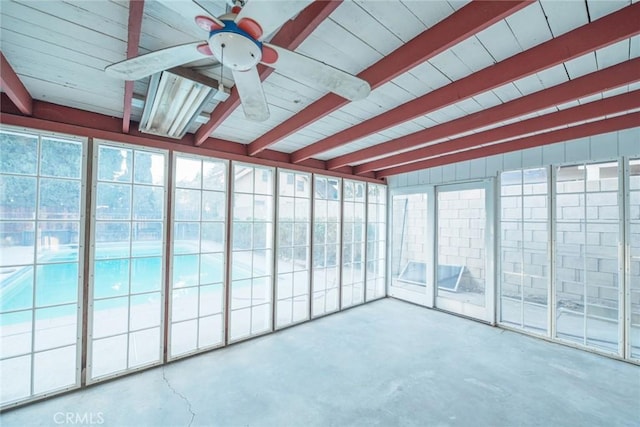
(386, 363)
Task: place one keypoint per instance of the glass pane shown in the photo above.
(147, 239)
(212, 269)
(634, 259)
(214, 175)
(188, 173)
(243, 179)
(213, 237)
(263, 181)
(240, 294)
(112, 239)
(114, 164)
(461, 225)
(17, 197)
(243, 207)
(16, 378)
(15, 333)
(113, 201)
(54, 369)
(149, 168)
(17, 288)
(148, 203)
(58, 241)
(302, 210)
(111, 278)
(110, 317)
(56, 284)
(18, 153)
(184, 304)
(286, 184)
(213, 206)
(56, 326)
(109, 356)
(185, 270)
(210, 331)
(187, 205)
(263, 208)
(59, 199)
(240, 323)
(144, 311)
(186, 237)
(409, 242)
(62, 159)
(211, 300)
(144, 347)
(300, 308)
(260, 319)
(184, 337)
(18, 241)
(146, 274)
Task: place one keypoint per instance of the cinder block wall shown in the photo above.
(461, 235)
(459, 225)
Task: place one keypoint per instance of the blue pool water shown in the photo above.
(56, 282)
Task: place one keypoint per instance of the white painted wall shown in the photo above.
(600, 147)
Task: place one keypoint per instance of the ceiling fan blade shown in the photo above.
(154, 62)
(249, 89)
(318, 74)
(211, 10)
(271, 15)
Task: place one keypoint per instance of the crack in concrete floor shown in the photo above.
(177, 393)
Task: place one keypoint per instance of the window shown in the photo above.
(326, 245)
(524, 250)
(634, 258)
(127, 270)
(41, 258)
(409, 242)
(252, 256)
(293, 263)
(198, 261)
(587, 234)
(376, 241)
(353, 243)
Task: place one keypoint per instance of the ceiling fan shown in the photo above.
(235, 40)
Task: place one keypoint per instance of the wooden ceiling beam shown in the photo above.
(136, 8)
(290, 36)
(590, 84)
(470, 19)
(603, 32)
(618, 123)
(10, 84)
(590, 111)
(57, 118)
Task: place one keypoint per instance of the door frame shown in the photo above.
(426, 297)
(488, 312)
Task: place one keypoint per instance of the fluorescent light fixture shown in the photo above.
(175, 99)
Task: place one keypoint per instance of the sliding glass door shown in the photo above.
(588, 287)
(198, 262)
(464, 267)
(41, 259)
(127, 270)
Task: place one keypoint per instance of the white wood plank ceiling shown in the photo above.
(59, 50)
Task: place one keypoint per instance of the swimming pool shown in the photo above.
(56, 276)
